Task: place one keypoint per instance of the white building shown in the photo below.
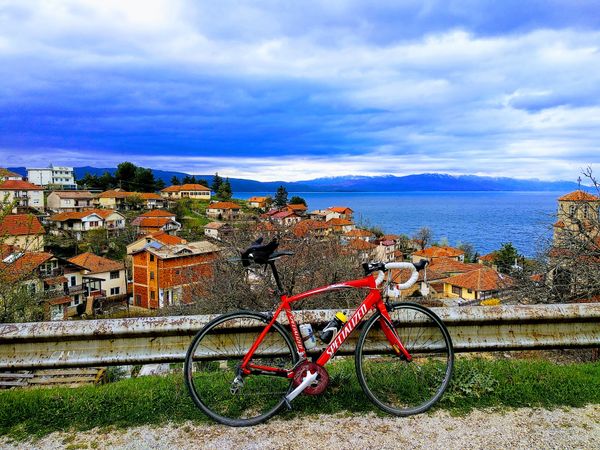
(62, 177)
(21, 195)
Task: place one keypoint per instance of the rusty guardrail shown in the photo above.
(165, 339)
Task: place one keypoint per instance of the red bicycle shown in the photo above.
(403, 358)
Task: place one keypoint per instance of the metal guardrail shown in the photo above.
(165, 339)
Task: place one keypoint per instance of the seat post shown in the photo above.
(276, 276)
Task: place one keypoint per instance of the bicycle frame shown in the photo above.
(373, 300)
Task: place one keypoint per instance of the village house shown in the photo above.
(359, 233)
(339, 212)
(165, 275)
(22, 194)
(69, 201)
(311, 228)
(91, 219)
(193, 191)
(386, 250)
(285, 218)
(440, 269)
(156, 220)
(259, 202)
(480, 284)
(433, 252)
(223, 211)
(340, 225)
(576, 210)
(318, 215)
(23, 231)
(298, 208)
(161, 237)
(365, 251)
(6, 175)
(56, 282)
(217, 230)
(53, 177)
(110, 274)
(123, 200)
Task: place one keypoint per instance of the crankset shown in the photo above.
(316, 387)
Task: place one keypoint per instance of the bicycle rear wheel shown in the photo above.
(212, 361)
(395, 385)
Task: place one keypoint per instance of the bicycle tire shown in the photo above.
(211, 366)
(396, 386)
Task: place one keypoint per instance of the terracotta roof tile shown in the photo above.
(19, 185)
(95, 263)
(483, 279)
(297, 207)
(23, 266)
(20, 225)
(157, 213)
(579, 196)
(257, 199)
(340, 209)
(167, 239)
(340, 222)
(223, 205)
(151, 222)
(74, 194)
(185, 187)
(437, 252)
(359, 233)
(78, 215)
(359, 244)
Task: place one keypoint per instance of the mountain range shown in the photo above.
(355, 183)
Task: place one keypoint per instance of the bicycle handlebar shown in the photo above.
(399, 265)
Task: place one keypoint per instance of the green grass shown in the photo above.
(157, 400)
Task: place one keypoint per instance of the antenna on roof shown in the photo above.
(579, 181)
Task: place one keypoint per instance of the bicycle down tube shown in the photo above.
(372, 300)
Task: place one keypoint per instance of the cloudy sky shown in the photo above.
(300, 89)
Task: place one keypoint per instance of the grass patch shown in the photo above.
(158, 400)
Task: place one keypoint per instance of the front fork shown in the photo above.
(385, 322)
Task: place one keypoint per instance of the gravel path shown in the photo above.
(517, 429)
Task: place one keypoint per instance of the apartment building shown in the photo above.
(53, 176)
(22, 194)
(70, 201)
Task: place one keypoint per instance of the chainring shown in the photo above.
(319, 385)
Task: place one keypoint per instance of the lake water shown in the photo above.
(484, 219)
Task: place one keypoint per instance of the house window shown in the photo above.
(456, 290)
(151, 257)
(572, 210)
(115, 274)
(114, 291)
(152, 295)
(138, 300)
(152, 275)
(586, 212)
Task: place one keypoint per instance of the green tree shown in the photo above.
(125, 175)
(470, 254)
(506, 257)
(159, 185)
(107, 181)
(296, 200)
(189, 179)
(217, 182)
(134, 202)
(202, 182)
(143, 180)
(175, 181)
(224, 192)
(281, 197)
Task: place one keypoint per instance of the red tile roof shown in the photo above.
(167, 239)
(223, 205)
(20, 225)
(283, 214)
(483, 279)
(340, 222)
(185, 187)
(340, 209)
(157, 213)
(95, 263)
(304, 227)
(115, 193)
(151, 222)
(74, 194)
(19, 185)
(559, 224)
(23, 266)
(359, 233)
(444, 267)
(437, 252)
(490, 257)
(150, 196)
(359, 244)
(579, 196)
(258, 199)
(78, 215)
(297, 207)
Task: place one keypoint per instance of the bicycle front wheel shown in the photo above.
(212, 362)
(397, 386)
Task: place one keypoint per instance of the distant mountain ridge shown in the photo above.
(358, 183)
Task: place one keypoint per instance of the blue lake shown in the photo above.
(484, 219)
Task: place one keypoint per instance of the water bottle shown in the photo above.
(308, 337)
(327, 334)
